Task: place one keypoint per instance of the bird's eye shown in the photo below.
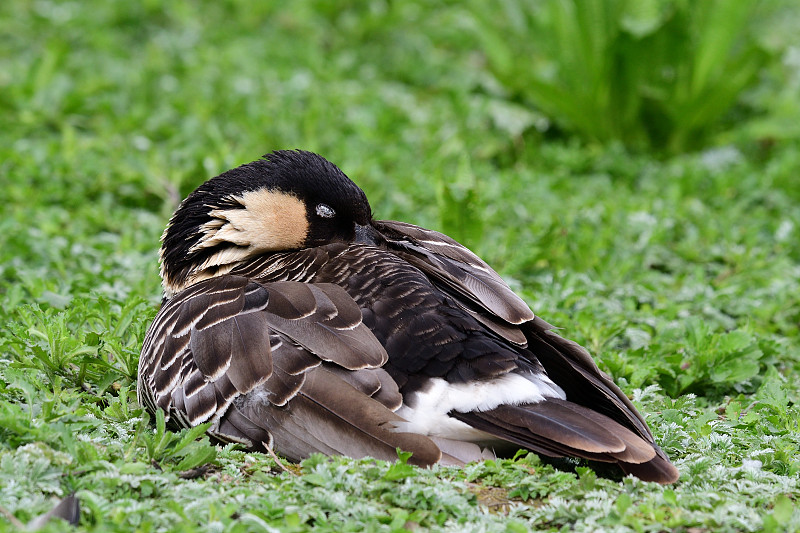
(325, 211)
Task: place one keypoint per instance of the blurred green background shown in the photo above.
(632, 168)
(149, 85)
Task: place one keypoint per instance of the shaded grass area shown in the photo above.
(682, 275)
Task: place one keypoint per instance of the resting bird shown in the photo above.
(295, 322)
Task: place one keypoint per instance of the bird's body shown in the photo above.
(294, 321)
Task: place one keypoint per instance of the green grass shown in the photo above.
(654, 73)
(682, 275)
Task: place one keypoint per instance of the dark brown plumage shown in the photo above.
(294, 321)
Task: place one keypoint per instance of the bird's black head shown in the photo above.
(287, 200)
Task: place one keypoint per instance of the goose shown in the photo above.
(294, 322)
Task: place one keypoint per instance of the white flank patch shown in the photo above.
(426, 411)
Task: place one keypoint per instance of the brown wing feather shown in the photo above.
(241, 346)
(456, 267)
(203, 319)
(329, 335)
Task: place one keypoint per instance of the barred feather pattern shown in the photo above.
(319, 349)
(219, 339)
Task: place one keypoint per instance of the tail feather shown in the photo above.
(636, 449)
(570, 365)
(559, 428)
(659, 469)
